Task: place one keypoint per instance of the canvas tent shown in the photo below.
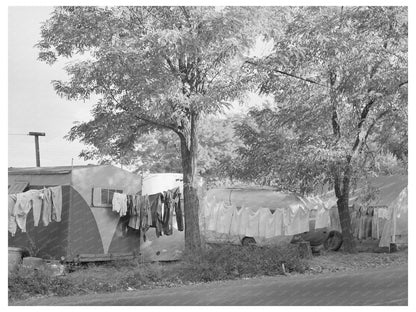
(88, 225)
(383, 192)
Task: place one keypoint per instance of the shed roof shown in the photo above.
(46, 170)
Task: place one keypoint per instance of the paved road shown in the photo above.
(373, 287)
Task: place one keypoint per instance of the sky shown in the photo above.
(33, 105)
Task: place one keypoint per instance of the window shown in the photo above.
(102, 197)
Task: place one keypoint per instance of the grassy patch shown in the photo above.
(217, 263)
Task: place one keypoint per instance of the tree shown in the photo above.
(158, 151)
(152, 68)
(338, 76)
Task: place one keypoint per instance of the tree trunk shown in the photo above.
(342, 194)
(189, 152)
(345, 219)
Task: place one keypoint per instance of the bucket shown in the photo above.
(15, 257)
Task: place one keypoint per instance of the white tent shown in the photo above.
(396, 229)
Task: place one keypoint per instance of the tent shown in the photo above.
(88, 225)
(387, 193)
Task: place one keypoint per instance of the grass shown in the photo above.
(217, 263)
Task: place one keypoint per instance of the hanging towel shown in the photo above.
(47, 206)
(264, 219)
(225, 214)
(119, 203)
(252, 228)
(296, 220)
(213, 209)
(37, 200)
(244, 221)
(274, 227)
(236, 221)
(12, 215)
(322, 218)
(56, 203)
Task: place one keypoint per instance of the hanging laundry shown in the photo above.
(355, 222)
(37, 201)
(244, 221)
(134, 221)
(384, 213)
(167, 213)
(264, 219)
(361, 230)
(368, 222)
(144, 214)
(12, 215)
(235, 220)
(47, 206)
(212, 215)
(24, 203)
(275, 225)
(178, 209)
(225, 214)
(295, 220)
(56, 203)
(156, 212)
(252, 228)
(119, 203)
(374, 225)
(334, 217)
(322, 217)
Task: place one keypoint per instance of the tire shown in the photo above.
(248, 241)
(334, 241)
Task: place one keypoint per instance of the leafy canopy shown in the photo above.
(339, 80)
(151, 67)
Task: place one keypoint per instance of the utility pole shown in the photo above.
(36, 135)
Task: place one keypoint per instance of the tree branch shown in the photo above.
(364, 115)
(274, 71)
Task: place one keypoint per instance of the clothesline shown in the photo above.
(46, 205)
(262, 222)
(141, 212)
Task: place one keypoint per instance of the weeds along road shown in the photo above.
(387, 286)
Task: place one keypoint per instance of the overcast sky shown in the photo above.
(33, 105)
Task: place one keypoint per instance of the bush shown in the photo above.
(230, 262)
(26, 283)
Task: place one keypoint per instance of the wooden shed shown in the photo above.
(88, 225)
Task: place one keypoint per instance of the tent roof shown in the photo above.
(388, 189)
(46, 170)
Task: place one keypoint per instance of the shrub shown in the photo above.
(230, 262)
(26, 282)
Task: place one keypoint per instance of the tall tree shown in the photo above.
(152, 68)
(338, 74)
